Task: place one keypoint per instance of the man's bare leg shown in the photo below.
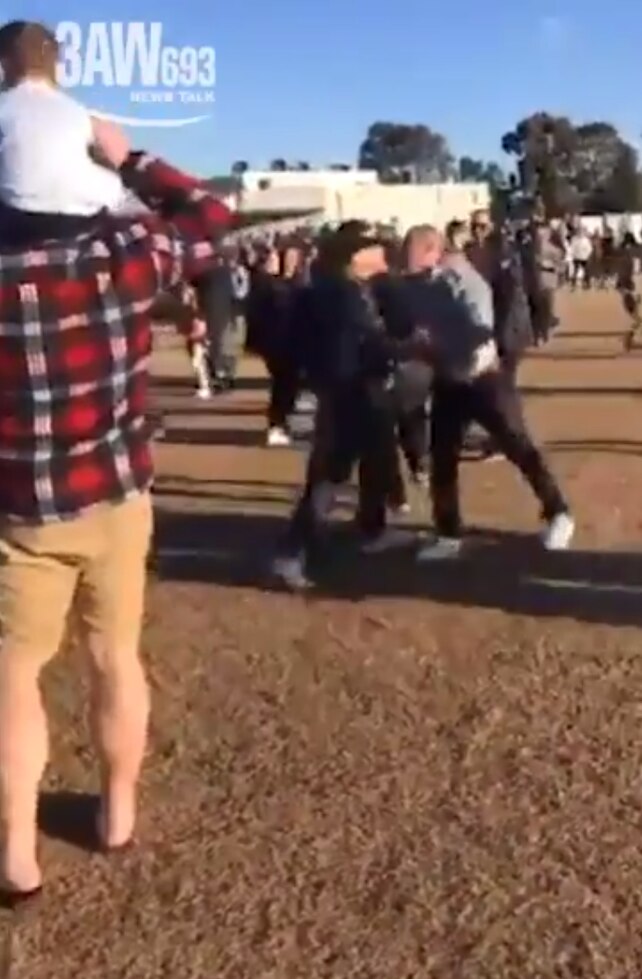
(120, 715)
(23, 756)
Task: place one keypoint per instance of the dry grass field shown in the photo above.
(413, 773)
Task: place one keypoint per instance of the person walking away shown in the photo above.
(75, 459)
(181, 307)
(609, 255)
(626, 268)
(270, 319)
(548, 263)
(350, 363)
(456, 304)
(235, 342)
(581, 250)
(218, 307)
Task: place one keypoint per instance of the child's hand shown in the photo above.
(110, 142)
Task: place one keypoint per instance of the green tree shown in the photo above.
(470, 170)
(397, 151)
(587, 167)
(544, 146)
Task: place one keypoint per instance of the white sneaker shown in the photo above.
(388, 539)
(559, 533)
(290, 571)
(441, 549)
(306, 404)
(277, 438)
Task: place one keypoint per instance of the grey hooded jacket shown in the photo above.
(454, 304)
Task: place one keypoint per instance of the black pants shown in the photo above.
(413, 438)
(353, 425)
(510, 363)
(284, 388)
(543, 314)
(494, 403)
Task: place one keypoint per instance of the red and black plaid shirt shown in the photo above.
(75, 342)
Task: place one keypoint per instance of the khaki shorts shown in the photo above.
(93, 567)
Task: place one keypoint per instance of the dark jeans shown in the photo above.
(284, 388)
(510, 363)
(543, 314)
(226, 347)
(352, 425)
(413, 438)
(494, 403)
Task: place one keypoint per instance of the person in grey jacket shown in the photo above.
(453, 303)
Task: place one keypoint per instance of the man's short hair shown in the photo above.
(418, 231)
(28, 48)
(455, 227)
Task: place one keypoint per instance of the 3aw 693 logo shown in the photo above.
(133, 57)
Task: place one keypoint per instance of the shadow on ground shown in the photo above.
(579, 392)
(502, 571)
(238, 437)
(622, 447)
(71, 817)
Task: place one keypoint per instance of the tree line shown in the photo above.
(567, 167)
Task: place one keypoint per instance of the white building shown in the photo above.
(326, 179)
(331, 196)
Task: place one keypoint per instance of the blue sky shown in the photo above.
(304, 78)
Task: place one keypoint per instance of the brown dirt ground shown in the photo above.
(426, 773)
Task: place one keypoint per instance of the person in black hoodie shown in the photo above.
(350, 359)
(271, 319)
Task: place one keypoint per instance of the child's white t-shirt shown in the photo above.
(45, 165)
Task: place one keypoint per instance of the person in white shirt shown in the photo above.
(581, 250)
(46, 137)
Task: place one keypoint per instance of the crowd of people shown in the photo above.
(304, 298)
(258, 301)
(401, 345)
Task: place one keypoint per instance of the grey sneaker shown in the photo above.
(388, 539)
(441, 549)
(290, 571)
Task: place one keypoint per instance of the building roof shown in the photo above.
(224, 185)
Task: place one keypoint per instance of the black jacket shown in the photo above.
(413, 378)
(343, 338)
(270, 317)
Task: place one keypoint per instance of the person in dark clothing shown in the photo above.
(412, 378)
(497, 258)
(625, 266)
(456, 304)
(353, 365)
(215, 299)
(542, 258)
(271, 319)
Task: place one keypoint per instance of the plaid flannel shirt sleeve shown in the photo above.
(188, 222)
